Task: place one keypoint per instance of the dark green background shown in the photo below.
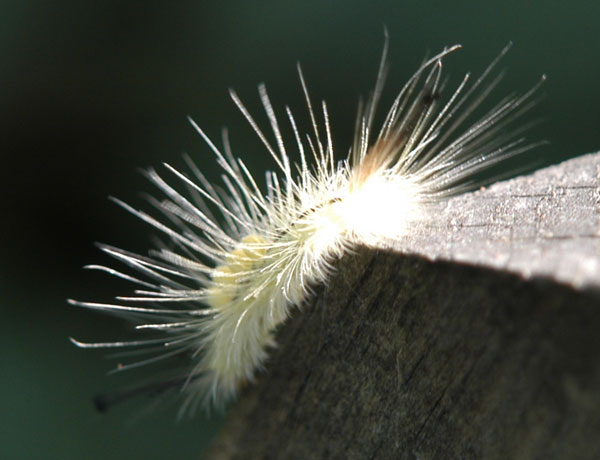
(90, 91)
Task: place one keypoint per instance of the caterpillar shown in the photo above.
(238, 260)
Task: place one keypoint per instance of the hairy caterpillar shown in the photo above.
(226, 281)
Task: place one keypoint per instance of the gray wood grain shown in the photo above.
(545, 224)
(478, 336)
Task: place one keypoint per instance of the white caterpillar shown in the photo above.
(227, 281)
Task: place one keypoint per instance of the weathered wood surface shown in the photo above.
(545, 224)
(481, 339)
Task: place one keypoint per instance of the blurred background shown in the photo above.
(92, 91)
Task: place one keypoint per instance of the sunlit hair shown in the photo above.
(238, 259)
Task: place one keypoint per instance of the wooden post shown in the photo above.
(476, 336)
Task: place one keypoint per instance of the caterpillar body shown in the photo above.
(239, 259)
